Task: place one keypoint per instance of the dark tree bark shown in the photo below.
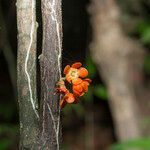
(50, 62)
(47, 134)
(119, 59)
(28, 105)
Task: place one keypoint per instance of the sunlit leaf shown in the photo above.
(143, 143)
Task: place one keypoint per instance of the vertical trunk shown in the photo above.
(28, 105)
(50, 62)
(115, 55)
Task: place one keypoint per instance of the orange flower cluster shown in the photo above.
(75, 76)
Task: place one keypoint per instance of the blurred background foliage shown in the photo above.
(89, 124)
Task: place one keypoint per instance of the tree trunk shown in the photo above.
(28, 105)
(50, 64)
(118, 59)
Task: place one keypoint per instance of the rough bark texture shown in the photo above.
(27, 74)
(50, 62)
(119, 60)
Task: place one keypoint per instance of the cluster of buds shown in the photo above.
(74, 84)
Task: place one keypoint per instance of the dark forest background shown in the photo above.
(88, 125)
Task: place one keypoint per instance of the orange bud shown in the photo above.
(66, 69)
(76, 65)
(69, 97)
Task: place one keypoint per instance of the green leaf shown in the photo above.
(142, 26)
(143, 143)
(7, 111)
(146, 36)
(5, 143)
(147, 64)
(89, 95)
(143, 29)
(101, 92)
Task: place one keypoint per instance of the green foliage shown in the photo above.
(143, 143)
(65, 146)
(79, 109)
(8, 131)
(147, 64)
(5, 143)
(143, 29)
(7, 111)
(100, 91)
(89, 95)
(90, 67)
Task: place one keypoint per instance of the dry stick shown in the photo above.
(50, 62)
(26, 22)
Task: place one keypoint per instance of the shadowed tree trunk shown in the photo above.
(27, 99)
(50, 62)
(119, 60)
(39, 129)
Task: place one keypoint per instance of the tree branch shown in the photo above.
(50, 62)
(28, 105)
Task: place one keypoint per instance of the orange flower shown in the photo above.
(68, 98)
(75, 71)
(61, 88)
(75, 75)
(80, 87)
